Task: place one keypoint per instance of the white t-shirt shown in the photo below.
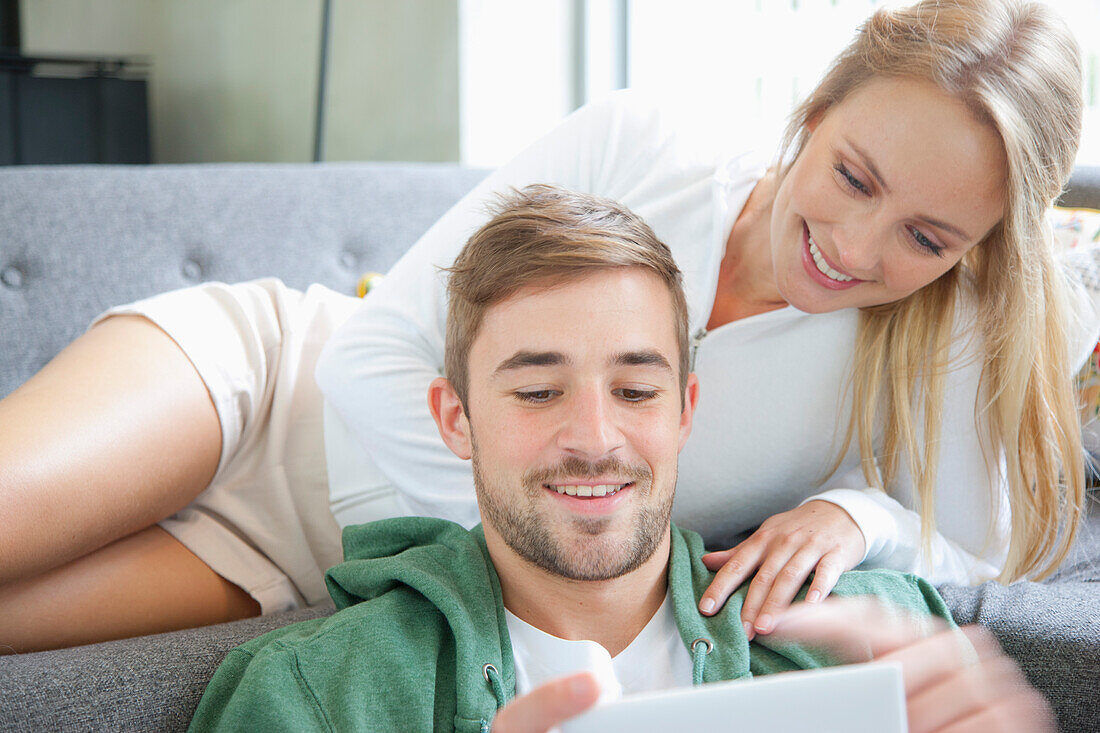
(771, 385)
(655, 660)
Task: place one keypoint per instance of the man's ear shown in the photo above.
(449, 417)
(691, 399)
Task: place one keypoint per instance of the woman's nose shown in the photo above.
(859, 249)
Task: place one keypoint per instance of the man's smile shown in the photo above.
(588, 489)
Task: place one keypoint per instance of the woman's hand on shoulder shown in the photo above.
(818, 537)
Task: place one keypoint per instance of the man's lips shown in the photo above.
(585, 489)
(572, 498)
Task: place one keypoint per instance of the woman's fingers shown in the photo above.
(826, 574)
(715, 560)
(786, 585)
(781, 575)
(817, 537)
(739, 564)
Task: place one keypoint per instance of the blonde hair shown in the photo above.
(1017, 67)
(545, 235)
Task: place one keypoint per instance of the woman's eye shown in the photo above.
(636, 395)
(851, 180)
(924, 242)
(536, 395)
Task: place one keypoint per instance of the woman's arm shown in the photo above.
(840, 528)
(972, 508)
(855, 523)
(892, 533)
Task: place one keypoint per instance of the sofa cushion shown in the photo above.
(1052, 629)
(147, 683)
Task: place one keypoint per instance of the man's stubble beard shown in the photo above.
(524, 528)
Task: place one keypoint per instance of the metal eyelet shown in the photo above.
(485, 672)
(703, 641)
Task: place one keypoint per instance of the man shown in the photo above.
(569, 389)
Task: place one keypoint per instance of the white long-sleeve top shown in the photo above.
(772, 385)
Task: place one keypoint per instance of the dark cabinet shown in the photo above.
(70, 110)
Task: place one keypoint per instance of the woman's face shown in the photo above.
(896, 183)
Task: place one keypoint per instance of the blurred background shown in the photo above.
(473, 81)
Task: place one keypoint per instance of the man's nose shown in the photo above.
(590, 430)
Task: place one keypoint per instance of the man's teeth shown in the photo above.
(823, 266)
(601, 490)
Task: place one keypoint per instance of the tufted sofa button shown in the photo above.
(349, 259)
(12, 277)
(191, 270)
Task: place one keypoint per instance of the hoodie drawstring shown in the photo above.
(492, 676)
(699, 659)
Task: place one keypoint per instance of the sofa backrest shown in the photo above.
(1083, 189)
(75, 240)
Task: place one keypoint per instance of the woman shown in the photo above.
(903, 228)
(909, 222)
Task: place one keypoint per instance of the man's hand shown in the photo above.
(955, 681)
(548, 705)
(818, 537)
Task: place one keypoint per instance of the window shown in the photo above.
(525, 65)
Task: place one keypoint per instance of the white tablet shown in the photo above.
(861, 698)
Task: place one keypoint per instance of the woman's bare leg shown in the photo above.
(146, 583)
(113, 435)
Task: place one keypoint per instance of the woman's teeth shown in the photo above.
(823, 266)
(602, 490)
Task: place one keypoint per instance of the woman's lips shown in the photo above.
(820, 269)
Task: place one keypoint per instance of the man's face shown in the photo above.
(576, 421)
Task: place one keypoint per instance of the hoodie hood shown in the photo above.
(449, 567)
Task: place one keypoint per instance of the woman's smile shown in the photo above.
(821, 268)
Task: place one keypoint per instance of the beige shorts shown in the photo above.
(264, 523)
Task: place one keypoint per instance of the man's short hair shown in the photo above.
(546, 235)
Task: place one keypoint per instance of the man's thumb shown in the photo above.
(548, 705)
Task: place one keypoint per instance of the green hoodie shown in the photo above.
(420, 619)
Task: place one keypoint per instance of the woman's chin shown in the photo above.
(811, 302)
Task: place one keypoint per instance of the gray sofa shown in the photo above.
(74, 240)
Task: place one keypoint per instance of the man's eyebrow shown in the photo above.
(641, 358)
(522, 359)
(926, 219)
